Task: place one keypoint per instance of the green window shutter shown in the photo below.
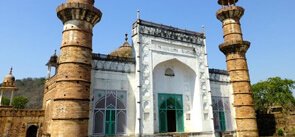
(162, 102)
(163, 120)
(179, 121)
(110, 122)
(222, 121)
(178, 103)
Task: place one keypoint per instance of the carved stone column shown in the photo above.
(235, 48)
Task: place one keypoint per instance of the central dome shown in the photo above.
(123, 51)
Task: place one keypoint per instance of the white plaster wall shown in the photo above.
(108, 80)
(182, 82)
(220, 86)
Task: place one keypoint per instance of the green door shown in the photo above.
(110, 122)
(179, 121)
(170, 113)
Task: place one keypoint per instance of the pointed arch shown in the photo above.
(178, 60)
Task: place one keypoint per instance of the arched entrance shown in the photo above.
(32, 131)
(171, 113)
(172, 80)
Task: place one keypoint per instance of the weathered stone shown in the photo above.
(66, 97)
(235, 48)
(14, 123)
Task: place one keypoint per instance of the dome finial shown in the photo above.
(203, 29)
(138, 14)
(126, 37)
(10, 72)
(54, 52)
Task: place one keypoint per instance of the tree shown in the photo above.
(19, 102)
(274, 92)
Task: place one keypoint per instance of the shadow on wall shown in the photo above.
(266, 124)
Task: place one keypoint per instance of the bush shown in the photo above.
(5, 101)
(280, 132)
(19, 102)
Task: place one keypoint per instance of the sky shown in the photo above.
(30, 32)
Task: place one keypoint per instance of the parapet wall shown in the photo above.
(15, 122)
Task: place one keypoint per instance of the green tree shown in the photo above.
(275, 91)
(5, 101)
(19, 102)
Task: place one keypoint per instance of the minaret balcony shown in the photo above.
(230, 12)
(234, 46)
(78, 11)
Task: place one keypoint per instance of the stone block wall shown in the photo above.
(286, 122)
(49, 93)
(269, 124)
(15, 122)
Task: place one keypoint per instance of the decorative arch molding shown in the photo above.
(184, 62)
(184, 83)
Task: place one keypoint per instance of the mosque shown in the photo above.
(159, 85)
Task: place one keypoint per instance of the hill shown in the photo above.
(32, 88)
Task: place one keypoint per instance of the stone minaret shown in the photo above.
(235, 48)
(70, 112)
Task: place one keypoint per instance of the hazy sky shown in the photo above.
(30, 31)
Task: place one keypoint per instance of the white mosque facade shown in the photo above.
(163, 86)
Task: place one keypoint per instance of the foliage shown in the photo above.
(280, 132)
(33, 89)
(19, 102)
(274, 92)
(28, 87)
(5, 101)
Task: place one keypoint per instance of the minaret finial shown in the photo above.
(227, 2)
(138, 14)
(126, 37)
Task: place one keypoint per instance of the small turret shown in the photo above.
(52, 62)
(8, 85)
(9, 80)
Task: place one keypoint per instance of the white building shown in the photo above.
(159, 85)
